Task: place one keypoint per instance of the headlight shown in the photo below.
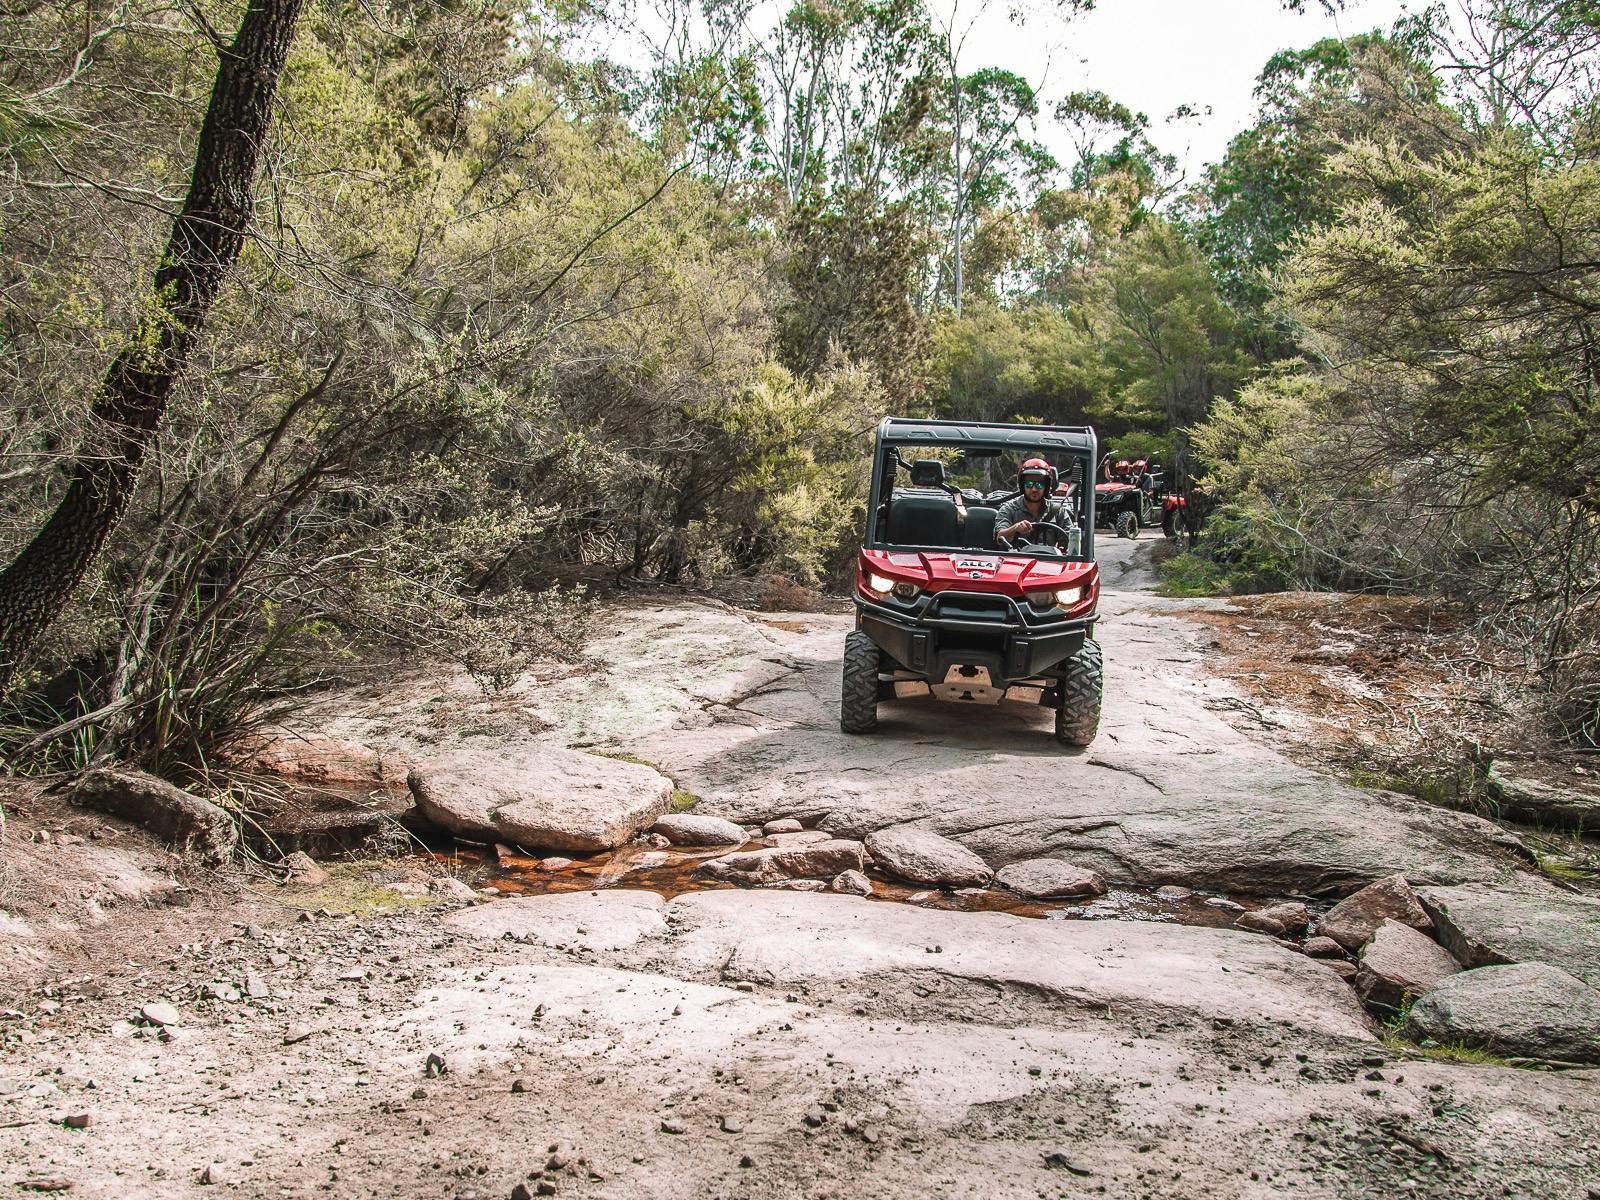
(905, 591)
(1067, 597)
(879, 584)
(1041, 599)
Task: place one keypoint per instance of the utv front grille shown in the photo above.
(957, 609)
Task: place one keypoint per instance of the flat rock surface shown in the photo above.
(1519, 1010)
(608, 920)
(539, 797)
(1531, 921)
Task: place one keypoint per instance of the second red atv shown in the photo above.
(1132, 494)
(948, 607)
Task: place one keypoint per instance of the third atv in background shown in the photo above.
(1134, 494)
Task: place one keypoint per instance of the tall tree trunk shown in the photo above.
(127, 411)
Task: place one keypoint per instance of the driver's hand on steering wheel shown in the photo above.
(1021, 528)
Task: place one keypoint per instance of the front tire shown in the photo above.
(858, 698)
(1127, 524)
(1078, 715)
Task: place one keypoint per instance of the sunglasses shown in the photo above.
(1034, 483)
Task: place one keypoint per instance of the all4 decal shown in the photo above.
(976, 567)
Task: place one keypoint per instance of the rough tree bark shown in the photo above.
(127, 411)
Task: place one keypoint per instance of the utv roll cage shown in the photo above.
(935, 514)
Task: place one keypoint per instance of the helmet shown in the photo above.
(1036, 467)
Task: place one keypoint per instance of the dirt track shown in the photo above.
(784, 1044)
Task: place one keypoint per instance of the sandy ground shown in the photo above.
(366, 1037)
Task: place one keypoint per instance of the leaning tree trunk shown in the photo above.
(127, 410)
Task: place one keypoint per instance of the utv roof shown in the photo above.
(905, 430)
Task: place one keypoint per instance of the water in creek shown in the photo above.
(673, 871)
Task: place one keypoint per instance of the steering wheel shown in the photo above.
(1025, 539)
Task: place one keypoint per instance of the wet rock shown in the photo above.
(798, 885)
(852, 883)
(1400, 962)
(922, 856)
(1323, 947)
(1171, 891)
(782, 825)
(1259, 922)
(1484, 926)
(303, 870)
(160, 1013)
(554, 863)
(540, 796)
(693, 829)
(818, 861)
(1224, 904)
(1049, 878)
(192, 825)
(1528, 1010)
(1291, 914)
(1570, 803)
(1357, 917)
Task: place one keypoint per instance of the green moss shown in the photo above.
(349, 893)
(682, 801)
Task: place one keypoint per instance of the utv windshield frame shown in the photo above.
(1059, 444)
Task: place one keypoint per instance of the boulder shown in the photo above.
(188, 823)
(1400, 962)
(852, 883)
(538, 796)
(782, 825)
(315, 757)
(1530, 1010)
(1545, 799)
(1531, 921)
(302, 869)
(1356, 918)
(821, 860)
(921, 856)
(1049, 878)
(693, 829)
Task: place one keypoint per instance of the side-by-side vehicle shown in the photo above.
(949, 607)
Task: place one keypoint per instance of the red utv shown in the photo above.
(946, 607)
(1133, 494)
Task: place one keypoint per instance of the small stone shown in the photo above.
(852, 883)
(1049, 879)
(76, 1121)
(732, 1125)
(519, 1086)
(522, 1192)
(159, 1013)
(419, 1093)
(815, 1117)
(746, 1161)
(434, 1066)
(782, 825)
(297, 1033)
(554, 863)
(1323, 947)
(672, 1125)
(303, 870)
(545, 1187)
(255, 986)
(1291, 914)
(1171, 891)
(47, 1185)
(213, 1173)
(1223, 903)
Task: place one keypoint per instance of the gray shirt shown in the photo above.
(1054, 511)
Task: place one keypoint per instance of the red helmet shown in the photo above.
(1036, 467)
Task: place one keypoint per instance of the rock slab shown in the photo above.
(921, 856)
(1356, 918)
(1486, 926)
(1528, 1010)
(187, 822)
(1049, 878)
(1400, 962)
(538, 796)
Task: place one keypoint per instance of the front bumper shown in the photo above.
(993, 632)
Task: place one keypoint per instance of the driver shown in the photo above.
(1017, 516)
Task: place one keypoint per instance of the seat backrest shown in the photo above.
(978, 533)
(922, 521)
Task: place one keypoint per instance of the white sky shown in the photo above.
(1154, 55)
